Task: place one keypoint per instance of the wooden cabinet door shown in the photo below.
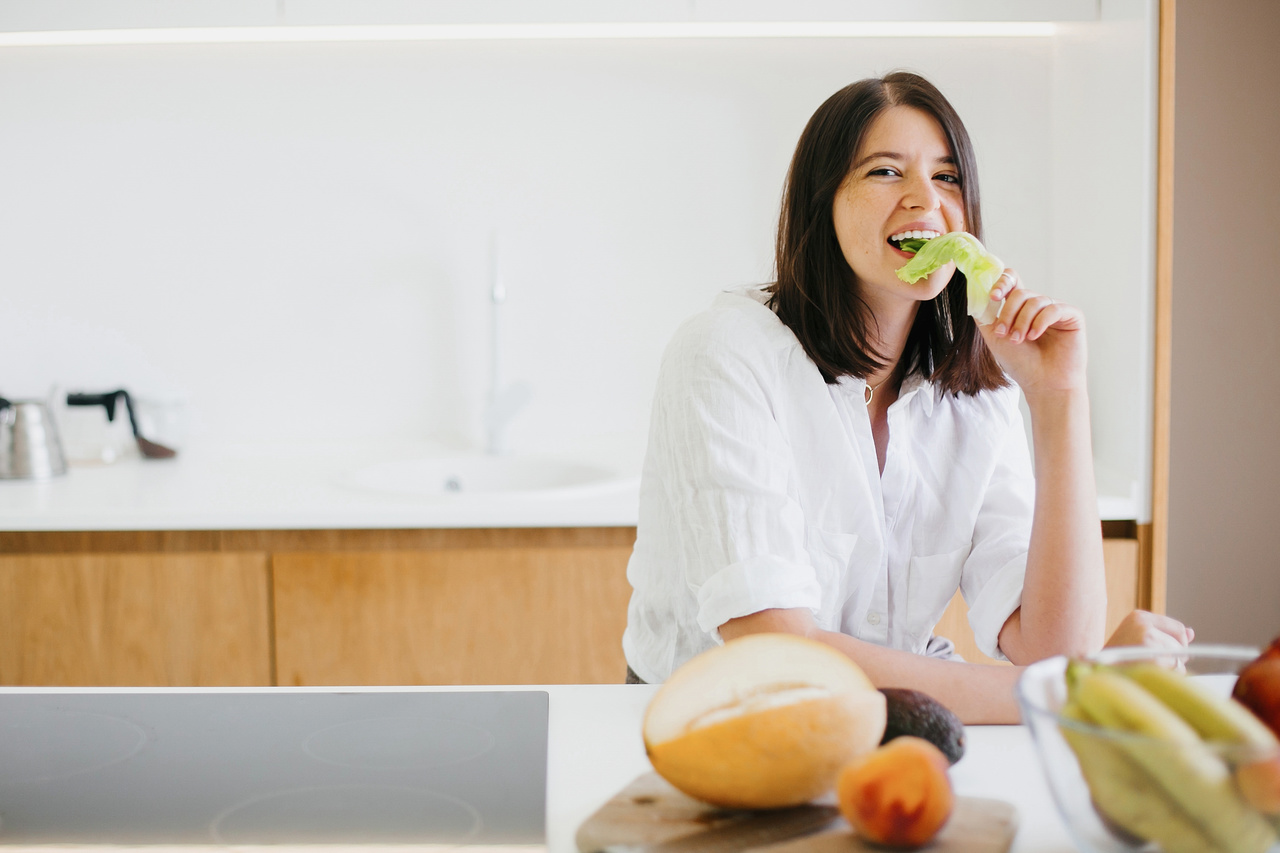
(1122, 560)
(544, 615)
(128, 619)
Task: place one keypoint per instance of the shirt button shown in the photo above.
(873, 617)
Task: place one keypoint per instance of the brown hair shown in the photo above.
(816, 294)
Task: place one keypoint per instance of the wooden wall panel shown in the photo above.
(457, 616)
(1122, 559)
(134, 620)
(1154, 575)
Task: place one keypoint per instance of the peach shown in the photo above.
(899, 795)
(1259, 783)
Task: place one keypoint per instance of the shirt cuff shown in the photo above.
(1000, 596)
(755, 584)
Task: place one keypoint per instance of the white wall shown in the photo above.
(295, 239)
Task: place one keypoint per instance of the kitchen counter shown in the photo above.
(594, 749)
(290, 487)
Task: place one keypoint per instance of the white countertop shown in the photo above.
(285, 487)
(594, 750)
(290, 487)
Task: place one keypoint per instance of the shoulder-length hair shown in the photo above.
(816, 294)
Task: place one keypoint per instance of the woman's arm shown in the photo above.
(1040, 343)
(977, 694)
(1064, 597)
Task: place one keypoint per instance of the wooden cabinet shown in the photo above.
(537, 606)
(134, 619)
(455, 616)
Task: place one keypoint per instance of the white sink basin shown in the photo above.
(478, 475)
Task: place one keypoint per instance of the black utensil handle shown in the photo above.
(106, 399)
(128, 407)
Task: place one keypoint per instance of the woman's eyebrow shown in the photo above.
(887, 155)
(894, 155)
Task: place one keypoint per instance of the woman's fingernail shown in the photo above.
(1001, 328)
(1015, 337)
(997, 295)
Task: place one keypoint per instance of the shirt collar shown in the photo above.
(917, 384)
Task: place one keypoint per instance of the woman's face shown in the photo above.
(903, 179)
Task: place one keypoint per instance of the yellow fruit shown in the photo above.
(764, 721)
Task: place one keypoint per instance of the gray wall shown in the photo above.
(1224, 539)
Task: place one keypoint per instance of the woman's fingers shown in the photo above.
(1007, 281)
(1170, 627)
(1009, 289)
(1154, 630)
(1032, 310)
(1024, 315)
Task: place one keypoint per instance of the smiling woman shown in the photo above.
(835, 454)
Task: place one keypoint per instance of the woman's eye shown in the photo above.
(883, 170)
(950, 179)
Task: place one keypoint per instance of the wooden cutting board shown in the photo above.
(649, 810)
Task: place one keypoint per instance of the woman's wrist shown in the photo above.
(1051, 399)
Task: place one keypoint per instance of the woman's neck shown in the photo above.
(891, 330)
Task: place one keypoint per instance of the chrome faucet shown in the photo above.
(504, 402)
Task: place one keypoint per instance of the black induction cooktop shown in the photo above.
(273, 767)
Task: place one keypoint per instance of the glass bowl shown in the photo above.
(1191, 793)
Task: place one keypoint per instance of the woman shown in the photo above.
(835, 454)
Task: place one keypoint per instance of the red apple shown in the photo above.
(1258, 689)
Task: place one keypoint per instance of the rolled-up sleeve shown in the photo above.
(997, 565)
(728, 475)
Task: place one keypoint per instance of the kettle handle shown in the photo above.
(107, 400)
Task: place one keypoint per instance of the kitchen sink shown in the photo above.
(481, 475)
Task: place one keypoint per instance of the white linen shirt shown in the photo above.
(761, 489)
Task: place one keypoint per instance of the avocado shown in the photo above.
(911, 712)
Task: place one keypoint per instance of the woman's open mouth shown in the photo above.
(909, 242)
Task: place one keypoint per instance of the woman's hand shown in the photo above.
(1038, 341)
(1141, 628)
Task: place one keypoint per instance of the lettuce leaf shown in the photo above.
(981, 269)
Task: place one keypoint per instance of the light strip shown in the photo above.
(499, 32)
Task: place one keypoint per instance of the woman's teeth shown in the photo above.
(914, 235)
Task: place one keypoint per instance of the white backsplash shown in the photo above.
(295, 239)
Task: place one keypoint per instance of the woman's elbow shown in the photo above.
(797, 621)
(1024, 643)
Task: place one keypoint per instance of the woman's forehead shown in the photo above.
(904, 131)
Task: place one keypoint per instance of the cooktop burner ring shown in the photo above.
(100, 741)
(326, 814)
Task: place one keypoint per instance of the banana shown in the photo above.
(1224, 720)
(1213, 717)
(1127, 796)
(1195, 779)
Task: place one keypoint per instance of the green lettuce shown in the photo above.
(981, 269)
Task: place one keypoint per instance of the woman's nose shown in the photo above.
(921, 194)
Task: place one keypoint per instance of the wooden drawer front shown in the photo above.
(451, 616)
(179, 619)
(1121, 557)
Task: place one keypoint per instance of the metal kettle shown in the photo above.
(29, 444)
